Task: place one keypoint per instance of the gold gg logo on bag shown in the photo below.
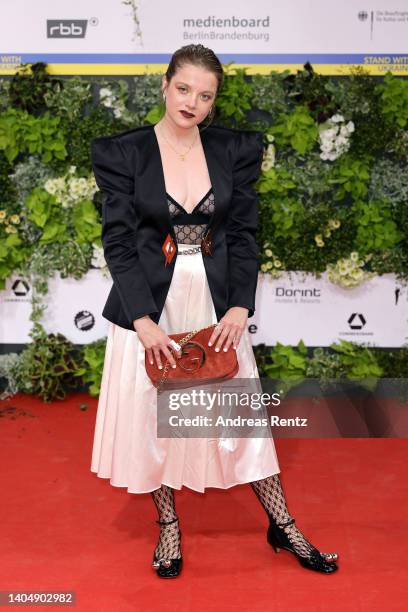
(195, 357)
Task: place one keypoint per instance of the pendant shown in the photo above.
(169, 249)
(182, 157)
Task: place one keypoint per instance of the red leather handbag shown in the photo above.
(199, 363)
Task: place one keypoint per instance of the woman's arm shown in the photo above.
(243, 250)
(119, 225)
(242, 222)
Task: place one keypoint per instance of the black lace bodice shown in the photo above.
(189, 227)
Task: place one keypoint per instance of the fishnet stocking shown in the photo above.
(169, 539)
(270, 493)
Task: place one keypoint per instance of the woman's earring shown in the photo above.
(164, 97)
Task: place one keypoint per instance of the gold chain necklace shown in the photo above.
(181, 155)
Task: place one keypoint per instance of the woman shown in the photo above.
(179, 223)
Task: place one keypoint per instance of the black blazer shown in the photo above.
(136, 220)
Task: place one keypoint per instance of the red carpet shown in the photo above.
(65, 529)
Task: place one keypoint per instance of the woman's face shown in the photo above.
(192, 89)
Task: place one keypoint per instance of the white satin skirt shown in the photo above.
(126, 449)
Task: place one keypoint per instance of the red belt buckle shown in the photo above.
(169, 249)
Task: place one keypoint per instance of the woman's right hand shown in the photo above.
(154, 339)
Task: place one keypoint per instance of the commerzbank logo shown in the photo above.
(69, 28)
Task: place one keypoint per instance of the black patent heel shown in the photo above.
(318, 561)
(168, 568)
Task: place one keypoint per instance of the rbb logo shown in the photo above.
(66, 28)
(356, 321)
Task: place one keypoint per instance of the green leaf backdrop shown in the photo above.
(333, 197)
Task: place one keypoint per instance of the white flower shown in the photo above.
(347, 273)
(107, 97)
(98, 258)
(340, 141)
(333, 137)
(50, 187)
(343, 267)
(350, 126)
(57, 188)
(329, 133)
(270, 152)
(330, 156)
(326, 146)
(104, 92)
(357, 274)
(269, 158)
(69, 189)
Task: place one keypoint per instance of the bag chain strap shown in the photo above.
(183, 341)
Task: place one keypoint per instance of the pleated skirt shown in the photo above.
(126, 449)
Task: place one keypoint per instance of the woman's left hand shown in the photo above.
(229, 329)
